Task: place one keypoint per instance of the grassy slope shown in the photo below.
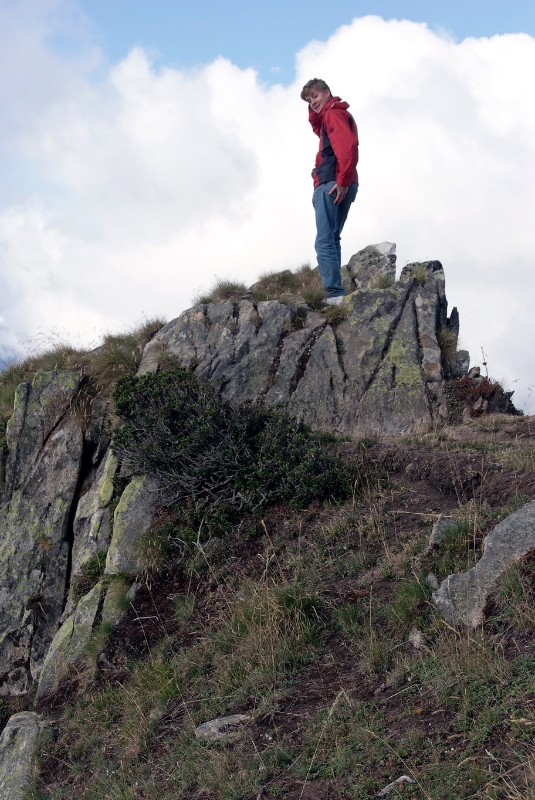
(304, 620)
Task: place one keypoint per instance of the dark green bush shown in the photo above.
(215, 458)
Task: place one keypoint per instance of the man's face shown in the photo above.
(317, 99)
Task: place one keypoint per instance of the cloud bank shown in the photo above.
(135, 185)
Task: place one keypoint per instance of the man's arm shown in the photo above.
(344, 141)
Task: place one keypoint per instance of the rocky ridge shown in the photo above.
(377, 368)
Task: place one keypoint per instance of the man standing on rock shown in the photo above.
(335, 179)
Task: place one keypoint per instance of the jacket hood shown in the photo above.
(332, 102)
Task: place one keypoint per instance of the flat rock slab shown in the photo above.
(462, 598)
(17, 745)
(223, 729)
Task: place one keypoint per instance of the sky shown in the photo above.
(148, 147)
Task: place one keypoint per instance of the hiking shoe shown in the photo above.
(335, 301)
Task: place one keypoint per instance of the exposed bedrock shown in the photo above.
(45, 448)
(379, 370)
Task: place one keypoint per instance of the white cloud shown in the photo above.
(156, 180)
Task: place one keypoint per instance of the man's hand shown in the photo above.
(341, 192)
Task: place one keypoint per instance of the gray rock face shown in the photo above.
(462, 598)
(44, 458)
(57, 490)
(17, 745)
(69, 643)
(91, 526)
(372, 267)
(379, 371)
(131, 522)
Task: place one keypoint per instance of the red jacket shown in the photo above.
(338, 153)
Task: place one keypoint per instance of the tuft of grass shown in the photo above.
(335, 314)
(222, 289)
(90, 574)
(447, 341)
(420, 274)
(304, 281)
(409, 602)
(271, 285)
(383, 281)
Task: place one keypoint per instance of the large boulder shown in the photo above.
(378, 371)
(372, 266)
(462, 598)
(45, 447)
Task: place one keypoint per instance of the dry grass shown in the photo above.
(341, 702)
(383, 281)
(119, 354)
(305, 282)
(420, 273)
(222, 289)
(447, 341)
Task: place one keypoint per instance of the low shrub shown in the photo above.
(217, 460)
(465, 392)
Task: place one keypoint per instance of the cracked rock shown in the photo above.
(379, 371)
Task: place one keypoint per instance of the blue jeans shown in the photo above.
(330, 220)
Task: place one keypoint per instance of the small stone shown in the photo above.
(475, 372)
(416, 638)
(433, 581)
(441, 528)
(391, 786)
(223, 729)
(462, 363)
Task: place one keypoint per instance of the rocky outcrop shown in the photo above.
(374, 366)
(45, 447)
(371, 268)
(462, 598)
(17, 745)
(379, 370)
(58, 487)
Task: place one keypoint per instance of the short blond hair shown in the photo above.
(315, 83)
